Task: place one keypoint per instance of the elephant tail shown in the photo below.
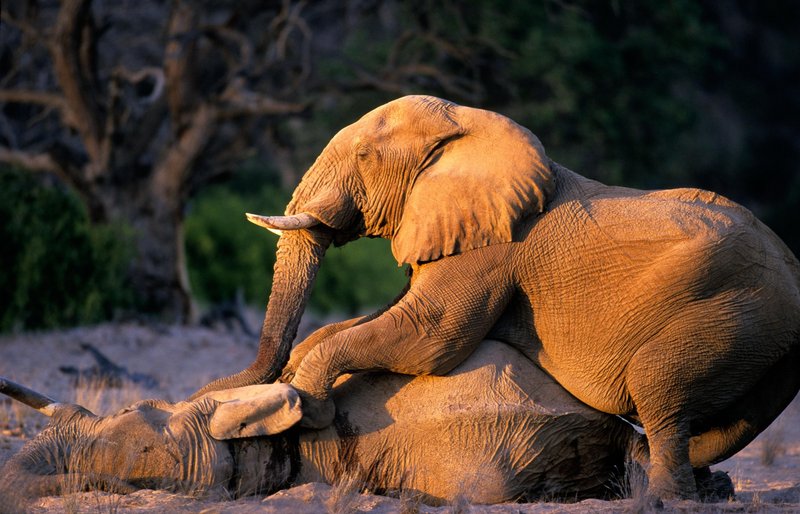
(751, 414)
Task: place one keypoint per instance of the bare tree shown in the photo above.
(136, 106)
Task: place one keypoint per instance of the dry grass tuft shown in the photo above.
(96, 396)
(772, 445)
(460, 503)
(756, 503)
(634, 488)
(344, 494)
(410, 501)
(75, 481)
(23, 420)
(72, 483)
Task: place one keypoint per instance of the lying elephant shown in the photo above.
(495, 429)
(676, 308)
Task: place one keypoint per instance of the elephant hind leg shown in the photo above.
(672, 406)
(661, 405)
(670, 474)
(750, 414)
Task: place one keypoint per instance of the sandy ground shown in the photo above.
(183, 359)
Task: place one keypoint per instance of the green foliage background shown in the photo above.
(57, 269)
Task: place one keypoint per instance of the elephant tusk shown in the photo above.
(29, 397)
(277, 224)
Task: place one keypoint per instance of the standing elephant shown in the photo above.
(677, 309)
(495, 429)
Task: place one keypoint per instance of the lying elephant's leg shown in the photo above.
(432, 329)
(713, 487)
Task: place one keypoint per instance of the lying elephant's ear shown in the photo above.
(478, 187)
(252, 411)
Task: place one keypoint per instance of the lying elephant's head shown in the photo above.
(434, 177)
(192, 446)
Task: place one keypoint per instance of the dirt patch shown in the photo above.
(766, 474)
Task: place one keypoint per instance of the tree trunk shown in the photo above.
(136, 126)
(157, 273)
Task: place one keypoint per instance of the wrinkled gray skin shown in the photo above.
(675, 308)
(495, 429)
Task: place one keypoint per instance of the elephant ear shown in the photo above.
(251, 411)
(476, 191)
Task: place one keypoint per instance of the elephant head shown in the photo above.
(194, 446)
(435, 178)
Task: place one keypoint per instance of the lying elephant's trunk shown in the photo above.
(24, 478)
(44, 469)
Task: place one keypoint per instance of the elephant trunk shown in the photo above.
(22, 480)
(48, 467)
(299, 256)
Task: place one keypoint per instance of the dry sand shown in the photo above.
(183, 359)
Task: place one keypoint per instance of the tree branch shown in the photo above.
(448, 83)
(30, 161)
(220, 165)
(281, 29)
(172, 170)
(179, 55)
(60, 163)
(238, 101)
(85, 114)
(368, 80)
(220, 35)
(134, 77)
(22, 25)
(27, 96)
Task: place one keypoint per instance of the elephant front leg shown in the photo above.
(301, 350)
(431, 330)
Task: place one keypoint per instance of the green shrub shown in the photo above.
(57, 269)
(360, 275)
(225, 253)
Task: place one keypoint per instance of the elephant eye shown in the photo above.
(362, 152)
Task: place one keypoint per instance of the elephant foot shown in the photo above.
(665, 486)
(652, 503)
(316, 413)
(713, 487)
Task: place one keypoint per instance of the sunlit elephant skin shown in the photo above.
(675, 308)
(495, 429)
